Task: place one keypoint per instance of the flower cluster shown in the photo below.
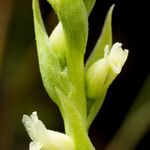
(78, 89)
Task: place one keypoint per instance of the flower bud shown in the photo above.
(45, 139)
(96, 76)
(101, 74)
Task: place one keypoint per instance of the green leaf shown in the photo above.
(94, 107)
(47, 58)
(89, 4)
(77, 129)
(73, 17)
(40, 32)
(104, 39)
(50, 68)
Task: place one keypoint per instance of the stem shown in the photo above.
(76, 74)
(74, 123)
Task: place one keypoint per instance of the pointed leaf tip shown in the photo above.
(104, 39)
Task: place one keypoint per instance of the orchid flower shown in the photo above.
(45, 139)
(101, 74)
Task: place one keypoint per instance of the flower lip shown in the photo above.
(117, 57)
(43, 138)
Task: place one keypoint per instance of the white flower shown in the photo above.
(117, 57)
(101, 74)
(43, 139)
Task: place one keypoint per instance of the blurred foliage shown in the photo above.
(136, 124)
(21, 89)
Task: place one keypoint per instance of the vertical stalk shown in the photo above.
(76, 73)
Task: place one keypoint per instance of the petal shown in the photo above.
(35, 128)
(59, 140)
(117, 57)
(34, 146)
(43, 138)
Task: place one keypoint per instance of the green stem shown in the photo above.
(76, 74)
(75, 123)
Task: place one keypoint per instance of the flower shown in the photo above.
(101, 74)
(45, 139)
(117, 57)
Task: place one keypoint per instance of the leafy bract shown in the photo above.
(104, 39)
(89, 4)
(50, 67)
(76, 125)
(73, 17)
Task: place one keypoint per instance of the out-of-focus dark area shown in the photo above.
(22, 92)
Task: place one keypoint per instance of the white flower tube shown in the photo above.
(45, 139)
